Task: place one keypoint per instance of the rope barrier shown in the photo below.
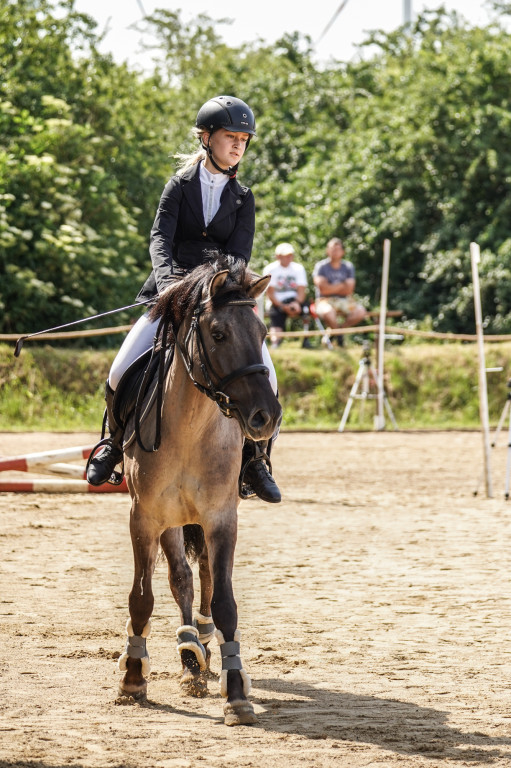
(358, 329)
(70, 334)
(391, 329)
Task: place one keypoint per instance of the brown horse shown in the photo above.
(192, 480)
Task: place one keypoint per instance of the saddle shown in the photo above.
(137, 395)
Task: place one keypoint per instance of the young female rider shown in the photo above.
(202, 208)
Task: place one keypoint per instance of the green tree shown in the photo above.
(426, 162)
(75, 169)
(408, 142)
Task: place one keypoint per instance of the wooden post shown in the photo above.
(475, 256)
(380, 418)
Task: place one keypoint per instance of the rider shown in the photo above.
(202, 208)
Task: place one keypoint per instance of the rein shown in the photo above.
(214, 391)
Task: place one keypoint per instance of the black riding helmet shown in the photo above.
(225, 112)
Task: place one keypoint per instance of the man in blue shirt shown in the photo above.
(334, 279)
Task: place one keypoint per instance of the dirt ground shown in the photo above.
(374, 604)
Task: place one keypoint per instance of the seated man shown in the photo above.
(335, 281)
(286, 292)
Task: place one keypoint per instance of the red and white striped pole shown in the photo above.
(59, 485)
(43, 462)
(31, 462)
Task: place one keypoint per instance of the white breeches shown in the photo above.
(141, 338)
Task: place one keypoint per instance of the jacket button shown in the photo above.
(204, 234)
(238, 201)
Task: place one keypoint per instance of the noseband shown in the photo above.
(214, 384)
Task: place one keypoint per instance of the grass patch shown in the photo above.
(429, 385)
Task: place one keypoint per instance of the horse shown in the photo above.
(185, 495)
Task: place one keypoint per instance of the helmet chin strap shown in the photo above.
(231, 171)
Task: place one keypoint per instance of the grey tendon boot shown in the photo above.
(101, 465)
(256, 473)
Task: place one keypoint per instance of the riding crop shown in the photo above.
(22, 339)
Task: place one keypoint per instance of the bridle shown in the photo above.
(214, 384)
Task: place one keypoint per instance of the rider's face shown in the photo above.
(228, 147)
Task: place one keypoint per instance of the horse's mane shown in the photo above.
(185, 294)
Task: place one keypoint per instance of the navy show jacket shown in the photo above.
(179, 235)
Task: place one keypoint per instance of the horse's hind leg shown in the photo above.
(193, 653)
(234, 681)
(135, 660)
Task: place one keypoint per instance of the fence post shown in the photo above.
(475, 256)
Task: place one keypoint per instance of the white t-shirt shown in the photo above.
(285, 280)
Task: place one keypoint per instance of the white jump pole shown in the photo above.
(380, 418)
(475, 256)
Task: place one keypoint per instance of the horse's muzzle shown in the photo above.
(262, 423)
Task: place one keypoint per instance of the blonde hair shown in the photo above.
(187, 161)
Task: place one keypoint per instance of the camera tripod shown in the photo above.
(365, 375)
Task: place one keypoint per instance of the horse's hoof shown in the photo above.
(133, 696)
(240, 712)
(196, 686)
(207, 674)
(125, 699)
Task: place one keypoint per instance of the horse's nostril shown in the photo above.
(259, 419)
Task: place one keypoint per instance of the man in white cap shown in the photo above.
(286, 291)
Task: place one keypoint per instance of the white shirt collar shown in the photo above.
(212, 179)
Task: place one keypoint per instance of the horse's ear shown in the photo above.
(257, 287)
(217, 282)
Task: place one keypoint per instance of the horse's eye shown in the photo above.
(217, 336)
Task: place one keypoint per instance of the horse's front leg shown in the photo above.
(234, 681)
(204, 619)
(193, 652)
(134, 662)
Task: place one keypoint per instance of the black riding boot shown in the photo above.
(101, 467)
(255, 472)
